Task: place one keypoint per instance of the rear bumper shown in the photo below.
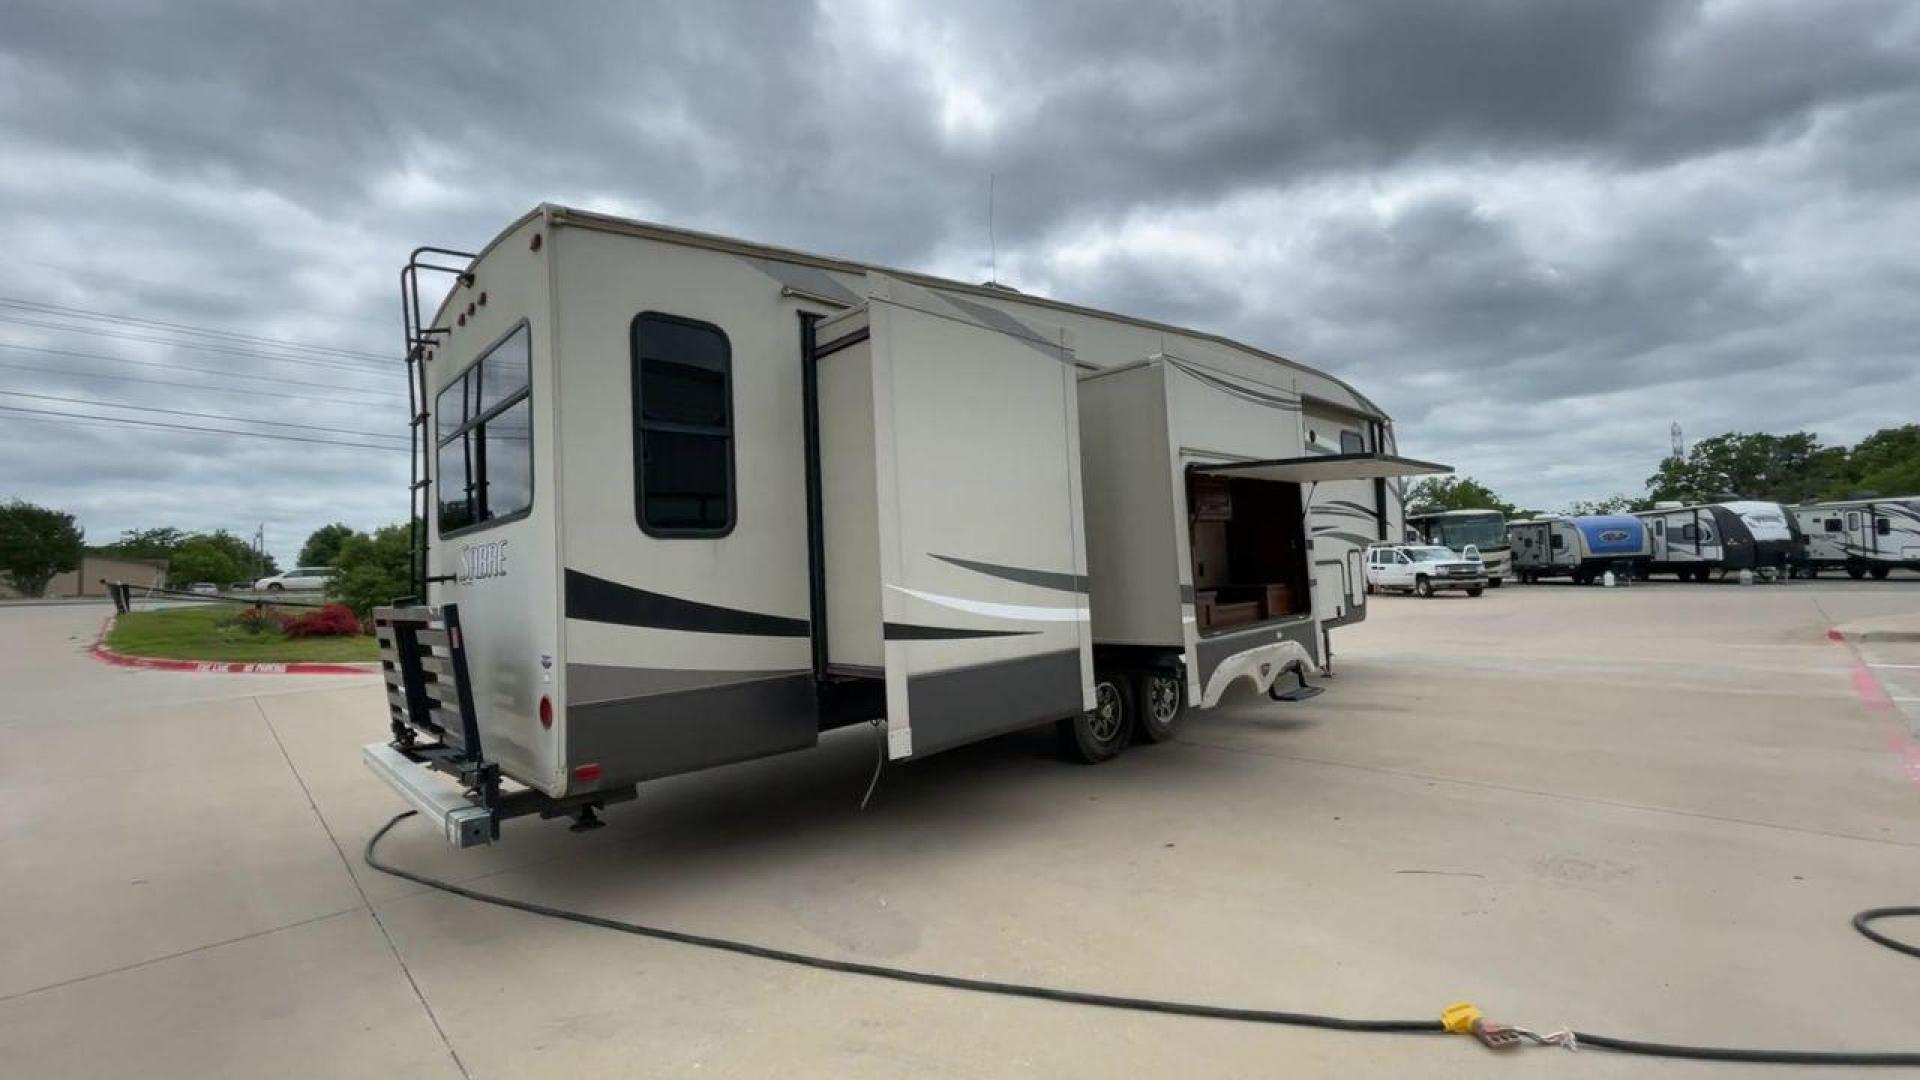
(465, 823)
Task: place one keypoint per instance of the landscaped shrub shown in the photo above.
(256, 620)
(334, 620)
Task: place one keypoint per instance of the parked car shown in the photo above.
(204, 588)
(305, 579)
(1423, 569)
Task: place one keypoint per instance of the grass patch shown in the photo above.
(210, 632)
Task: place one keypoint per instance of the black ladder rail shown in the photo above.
(418, 340)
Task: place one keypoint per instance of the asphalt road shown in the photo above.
(1646, 811)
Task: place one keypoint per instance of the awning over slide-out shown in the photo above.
(1324, 467)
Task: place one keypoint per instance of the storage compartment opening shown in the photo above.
(1249, 557)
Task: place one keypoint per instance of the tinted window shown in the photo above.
(503, 372)
(1833, 525)
(683, 426)
(1883, 526)
(1558, 541)
(1351, 442)
(484, 421)
(507, 450)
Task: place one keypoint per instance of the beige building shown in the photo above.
(93, 569)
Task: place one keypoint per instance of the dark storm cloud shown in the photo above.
(1503, 219)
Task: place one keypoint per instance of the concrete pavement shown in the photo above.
(1647, 811)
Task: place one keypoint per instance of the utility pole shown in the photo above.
(1679, 440)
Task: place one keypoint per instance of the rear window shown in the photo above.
(484, 423)
(683, 426)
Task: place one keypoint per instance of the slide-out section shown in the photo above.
(953, 554)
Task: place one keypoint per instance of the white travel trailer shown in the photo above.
(1861, 536)
(1691, 542)
(688, 501)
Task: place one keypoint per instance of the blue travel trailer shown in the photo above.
(1582, 547)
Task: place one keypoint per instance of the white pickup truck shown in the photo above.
(1423, 569)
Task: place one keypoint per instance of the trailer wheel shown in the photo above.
(1160, 696)
(1101, 732)
(1494, 583)
(1809, 572)
(1474, 592)
(1423, 587)
(1856, 572)
(1879, 573)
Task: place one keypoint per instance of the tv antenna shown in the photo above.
(1679, 440)
(993, 245)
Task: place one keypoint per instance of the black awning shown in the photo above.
(1323, 467)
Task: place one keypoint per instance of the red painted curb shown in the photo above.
(1834, 634)
(220, 667)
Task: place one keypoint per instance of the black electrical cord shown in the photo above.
(1861, 921)
(1110, 1001)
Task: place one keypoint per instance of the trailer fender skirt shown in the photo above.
(1261, 664)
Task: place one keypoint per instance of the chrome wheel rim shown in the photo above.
(1163, 698)
(1104, 721)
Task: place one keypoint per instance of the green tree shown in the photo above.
(1612, 504)
(1886, 462)
(146, 543)
(1456, 493)
(205, 557)
(373, 570)
(323, 546)
(37, 543)
(1750, 465)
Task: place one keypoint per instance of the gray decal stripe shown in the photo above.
(595, 599)
(1351, 538)
(1349, 504)
(592, 683)
(1342, 512)
(1045, 579)
(894, 631)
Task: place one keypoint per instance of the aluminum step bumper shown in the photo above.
(465, 824)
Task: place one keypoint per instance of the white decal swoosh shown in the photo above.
(1022, 612)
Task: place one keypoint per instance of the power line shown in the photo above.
(222, 372)
(202, 387)
(198, 346)
(201, 415)
(199, 430)
(186, 328)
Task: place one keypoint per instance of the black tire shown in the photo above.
(1100, 734)
(274, 586)
(1423, 587)
(1856, 572)
(1475, 591)
(1809, 572)
(1494, 583)
(1160, 704)
(1879, 573)
(1369, 588)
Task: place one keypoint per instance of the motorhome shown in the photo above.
(1693, 542)
(1485, 531)
(1861, 536)
(1583, 547)
(687, 500)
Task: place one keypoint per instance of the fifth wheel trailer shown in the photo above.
(686, 501)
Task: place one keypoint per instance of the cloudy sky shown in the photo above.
(1537, 233)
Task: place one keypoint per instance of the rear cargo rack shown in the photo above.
(423, 657)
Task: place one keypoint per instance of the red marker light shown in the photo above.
(588, 773)
(546, 711)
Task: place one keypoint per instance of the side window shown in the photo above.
(1351, 442)
(1853, 520)
(1690, 533)
(683, 426)
(1659, 526)
(1557, 541)
(1883, 526)
(1832, 524)
(484, 423)
(1402, 558)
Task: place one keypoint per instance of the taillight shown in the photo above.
(546, 711)
(588, 773)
